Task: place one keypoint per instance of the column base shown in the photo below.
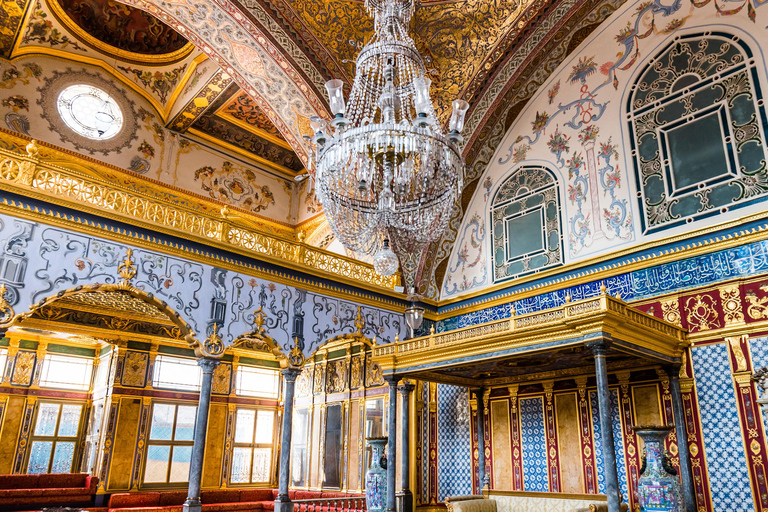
(405, 501)
(192, 505)
(283, 503)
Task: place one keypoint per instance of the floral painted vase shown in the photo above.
(376, 476)
(657, 490)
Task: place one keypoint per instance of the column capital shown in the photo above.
(598, 347)
(406, 387)
(392, 380)
(291, 373)
(207, 364)
(673, 370)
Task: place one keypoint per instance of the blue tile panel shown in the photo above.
(618, 442)
(534, 445)
(454, 449)
(747, 260)
(723, 446)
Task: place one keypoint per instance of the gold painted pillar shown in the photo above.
(587, 437)
(517, 448)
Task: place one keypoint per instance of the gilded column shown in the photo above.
(419, 427)
(587, 438)
(26, 427)
(283, 501)
(432, 443)
(553, 459)
(480, 438)
(405, 464)
(599, 349)
(13, 349)
(517, 454)
(146, 406)
(193, 504)
(488, 451)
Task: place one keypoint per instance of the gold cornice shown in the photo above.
(690, 250)
(111, 51)
(101, 191)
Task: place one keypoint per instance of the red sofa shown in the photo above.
(25, 492)
(224, 500)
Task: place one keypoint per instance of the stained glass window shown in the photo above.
(525, 215)
(90, 112)
(259, 382)
(177, 373)
(252, 453)
(169, 450)
(697, 125)
(54, 438)
(66, 372)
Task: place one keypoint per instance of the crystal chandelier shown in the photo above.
(385, 173)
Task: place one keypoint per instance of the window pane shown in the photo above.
(39, 457)
(3, 360)
(70, 420)
(66, 372)
(256, 382)
(241, 465)
(157, 463)
(162, 422)
(177, 373)
(47, 415)
(264, 425)
(185, 423)
(62, 457)
(244, 426)
(261, 458)
(180, 464)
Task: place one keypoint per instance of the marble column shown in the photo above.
(599, 349)
(391, 442)
(193, 504)
(405, 464)
(686, 471)
(283, 501)
(480, 438)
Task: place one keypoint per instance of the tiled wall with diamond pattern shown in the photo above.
(534, 445)
(454, 452)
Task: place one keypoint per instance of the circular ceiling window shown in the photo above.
(90, 111)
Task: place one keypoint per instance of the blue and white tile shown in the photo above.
(618, 442)
(454, 448)
(534, 444)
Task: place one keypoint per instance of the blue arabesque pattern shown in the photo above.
(618, 442)
(723, 446)
(454, 452)
(534, 445)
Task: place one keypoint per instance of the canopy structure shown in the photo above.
(553, 343)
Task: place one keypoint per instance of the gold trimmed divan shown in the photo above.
(517, 501)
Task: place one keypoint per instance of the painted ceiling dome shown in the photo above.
(123, 27)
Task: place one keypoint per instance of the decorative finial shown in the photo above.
(432, 329)
(213, 343)
(567, 297)
(359, 321)
(397, 338)
(296, 359)
(301, 236)
(603, 288)
(259, 319)
(32, 149)
(127, 269)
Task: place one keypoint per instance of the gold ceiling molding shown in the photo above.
(223, 113)
(125, 55)
(63, 178)
(197, 105)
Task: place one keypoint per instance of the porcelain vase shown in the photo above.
(376, 476)
(657, 490)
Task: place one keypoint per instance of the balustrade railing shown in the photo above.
(348, 504)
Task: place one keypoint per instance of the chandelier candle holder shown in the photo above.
(386, 175)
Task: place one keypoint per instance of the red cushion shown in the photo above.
(308, 495)
(256, 495)
(65, 491)
(172, 498)
(223, 496)
(140, 499)
(268, 505)
(92, 483)
(231, 507)
(61, 480)
(275, 492)
(19, 481)
(147, 509)
(20, 493)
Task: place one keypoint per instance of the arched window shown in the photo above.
(525, 215)
(697, 126)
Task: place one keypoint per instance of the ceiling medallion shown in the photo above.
(384, 171)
